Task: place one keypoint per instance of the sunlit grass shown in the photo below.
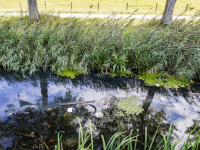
(118, 6)
(107, 46)
(120, 142)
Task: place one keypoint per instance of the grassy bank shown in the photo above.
(112, 47)
(118, 6)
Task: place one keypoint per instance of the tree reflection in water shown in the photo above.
(44, 89)
(32, 128)
(29, 130)
(36, 129)
(149, 118)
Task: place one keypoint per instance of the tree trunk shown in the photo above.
(33, 10)
(168, 13)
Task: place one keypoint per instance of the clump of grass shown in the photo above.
(59, 144)
(120, 142)
(112, 47)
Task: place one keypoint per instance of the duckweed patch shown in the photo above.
(165, 79)
(68, 73)
(128, 107)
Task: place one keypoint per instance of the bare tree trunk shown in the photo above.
(33, 10)
(168, 13)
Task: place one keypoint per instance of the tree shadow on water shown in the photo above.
(150, 118)
(37, 129)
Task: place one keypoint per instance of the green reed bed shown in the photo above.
(108, 46)
(119, 141)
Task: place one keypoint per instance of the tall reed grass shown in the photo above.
(120, 142)
(109, 46)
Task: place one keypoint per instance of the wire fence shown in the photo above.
(99, 7)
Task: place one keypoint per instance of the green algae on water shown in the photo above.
(68, 73)
(128, 107)
(164, 79)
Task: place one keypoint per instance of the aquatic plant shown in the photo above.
(119, 62)
(120, 142)
(59, 143)
(84, 138)
(128, 107)
(68, 73)
(108, 46)
(111, 145)
(165, 79)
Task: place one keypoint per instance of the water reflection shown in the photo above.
(44, 90)
(150, 118)
(35, 129)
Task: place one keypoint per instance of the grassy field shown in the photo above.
(105, 6)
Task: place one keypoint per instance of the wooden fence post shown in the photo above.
(126, 6)
(98, 6)
(156, 7)
(71, 6)
(186, 7)
(20, 6)
(45, 5)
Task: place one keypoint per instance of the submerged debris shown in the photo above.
(69, 109)
(106, 101)
(37, 129)
(98, 114)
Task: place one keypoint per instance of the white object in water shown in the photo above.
(69, 109)
(157, 85)
(10, 114)
(98, 114)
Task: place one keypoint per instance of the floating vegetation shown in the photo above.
(164, 79)
(68, 73)
(128, 107)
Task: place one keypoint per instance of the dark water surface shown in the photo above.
(30, 115)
